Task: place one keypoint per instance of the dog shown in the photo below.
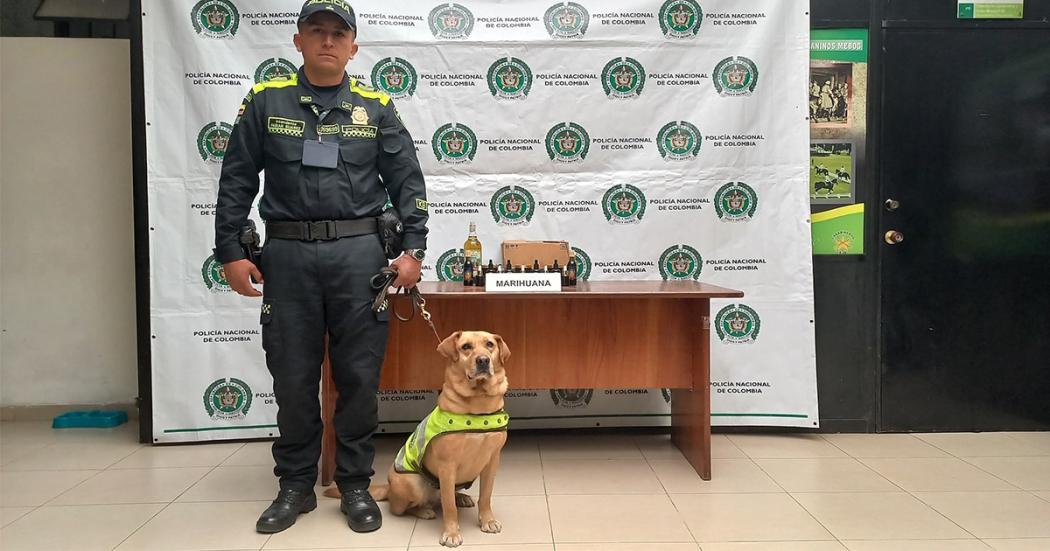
(459, 442)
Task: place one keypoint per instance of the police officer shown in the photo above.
(333, 151)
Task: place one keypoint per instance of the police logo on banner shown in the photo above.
(215, 18)
(214, 276)
(736, 202)
(227, 399)
(737, 324)
(623, 78)
(449, 266)
(681, 18)
(510, 78)
(681, 262)
(451, 21)
(454, 143)
(568, 142)
(583, 264)
(572, 397)
(735, 76)
(274, 69)
(624, 204)
(679, 141)
(212, 141)
(566, 20)
(395, 76)
(512, 206)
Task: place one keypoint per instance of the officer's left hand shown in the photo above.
(407, 268)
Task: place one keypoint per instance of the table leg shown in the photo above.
(691, 408)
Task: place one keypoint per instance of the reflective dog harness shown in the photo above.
(439, 423)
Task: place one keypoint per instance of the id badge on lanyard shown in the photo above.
(319, 153)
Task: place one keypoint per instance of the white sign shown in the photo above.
(523, 283)
(664, 139)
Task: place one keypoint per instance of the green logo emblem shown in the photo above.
(212, 141)
(583, 264)
(566, 20)
(568, 142)
(214, 276)
(454, 143)
(736, 202)
(449, 265)
(681, 18)
(215, 18)
(451, 21)
(679, 141)
(395, 76)
(681, 262)
(624, 204)
(736, 76)
(274, 69)
(623, 78)
(227, 399)
(510, 78)
(572, 397)
(512, 205)
(737, 323)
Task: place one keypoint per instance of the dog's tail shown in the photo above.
(378, 492)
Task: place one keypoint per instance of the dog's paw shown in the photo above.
(425, 514)
(451, 539)
(463, 500)
(491, 526)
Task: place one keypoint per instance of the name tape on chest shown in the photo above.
(285, 127)
(356, 131)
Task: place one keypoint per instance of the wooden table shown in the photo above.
(608, 335)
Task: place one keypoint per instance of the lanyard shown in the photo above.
(321, 115)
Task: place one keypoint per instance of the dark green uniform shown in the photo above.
(318, 286)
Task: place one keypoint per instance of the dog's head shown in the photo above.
(475, 354)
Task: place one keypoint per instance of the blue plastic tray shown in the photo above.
(89, 419)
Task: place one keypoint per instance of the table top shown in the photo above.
(589, 289)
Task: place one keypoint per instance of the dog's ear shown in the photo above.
(447, 348)
(504, 350)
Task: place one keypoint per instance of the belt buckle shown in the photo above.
(322, 230)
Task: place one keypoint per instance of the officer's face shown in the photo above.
(326, 42)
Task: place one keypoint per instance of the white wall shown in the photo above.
(67, 283)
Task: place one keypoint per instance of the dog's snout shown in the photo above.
(483, 363)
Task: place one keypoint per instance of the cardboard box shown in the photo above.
(523, 253)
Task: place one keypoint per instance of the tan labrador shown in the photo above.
(475, 383)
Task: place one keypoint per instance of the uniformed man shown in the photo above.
(333, 151)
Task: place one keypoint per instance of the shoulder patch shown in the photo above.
(294, 80)
(366, 91)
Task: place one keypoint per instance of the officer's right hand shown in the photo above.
(238, 273)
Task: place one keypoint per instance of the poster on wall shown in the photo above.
(664, 140)
(838, 83)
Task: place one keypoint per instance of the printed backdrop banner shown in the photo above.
(663, 139)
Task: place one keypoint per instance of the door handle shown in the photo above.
(892, 204)
(893, 237)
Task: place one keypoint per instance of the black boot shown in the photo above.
(362, 513)
(285, 509)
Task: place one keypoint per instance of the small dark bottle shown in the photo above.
(491, 269)
(570, 272)
(468, 273)
(558, 270)
(479, 276)
(510, 267)
(535, 266)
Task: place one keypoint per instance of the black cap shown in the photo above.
(338, 7)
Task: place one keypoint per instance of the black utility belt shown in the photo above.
(322, 230)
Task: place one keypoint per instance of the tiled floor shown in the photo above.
(84, 490)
